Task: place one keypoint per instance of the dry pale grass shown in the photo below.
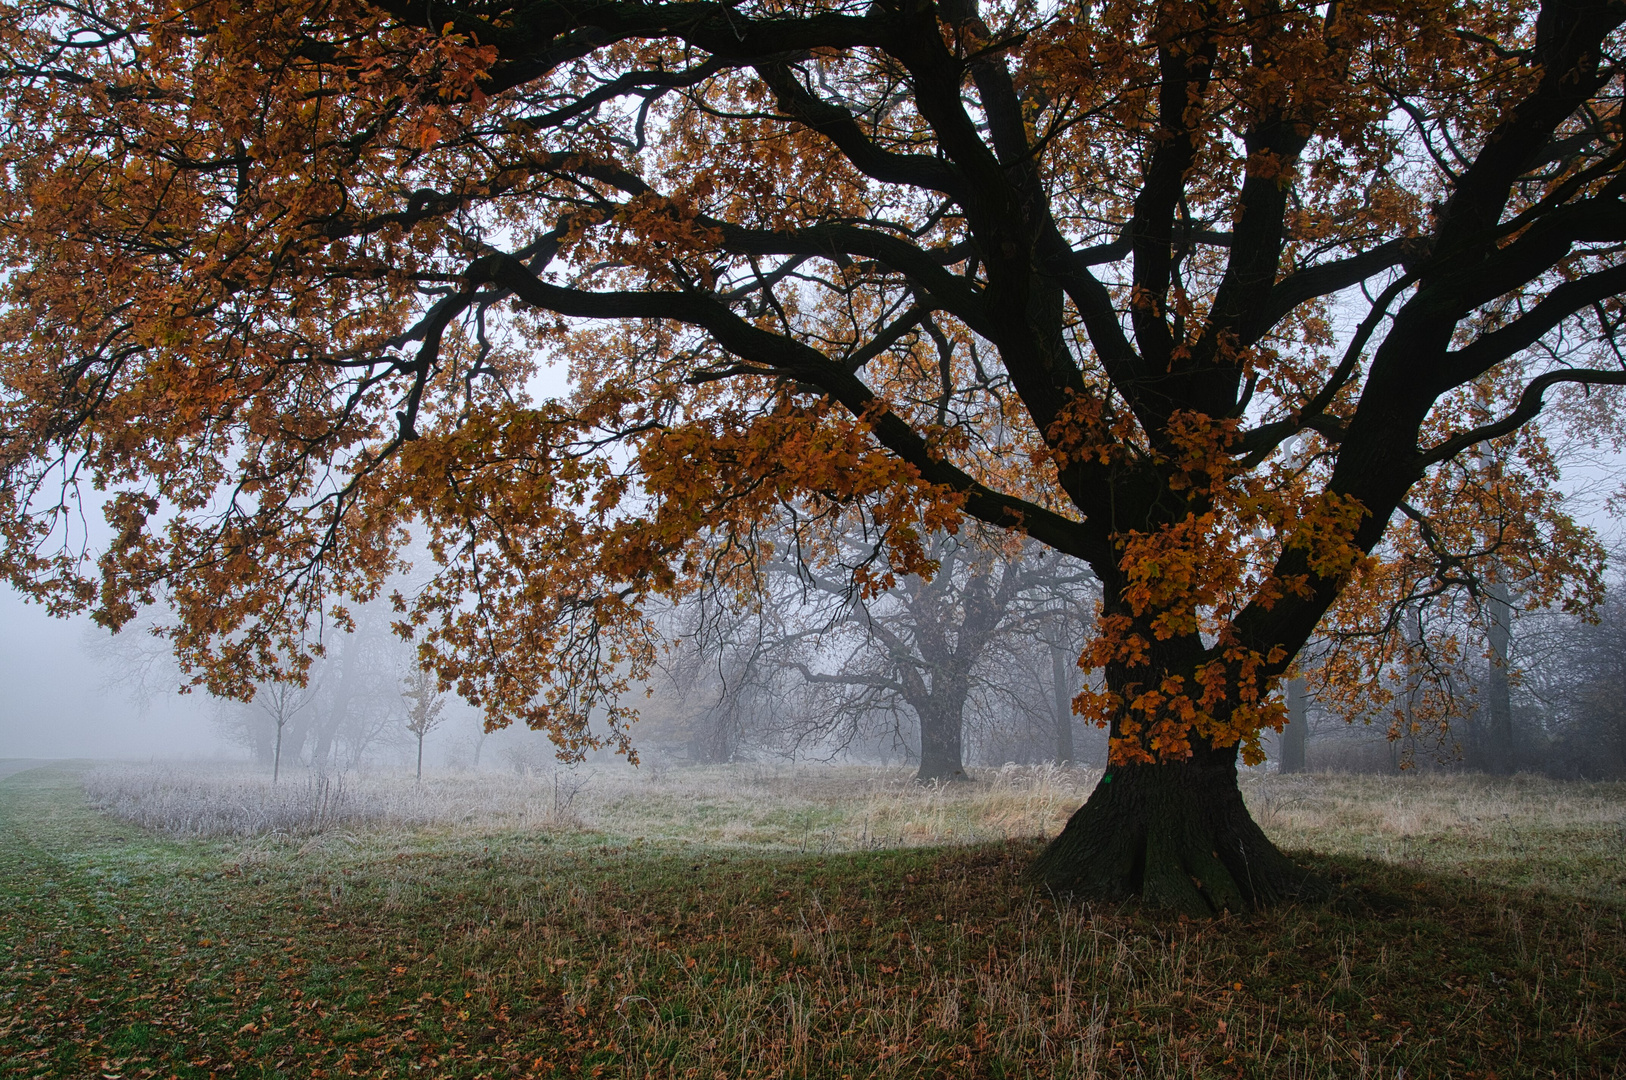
(1523, 830)
(1567, 836)
(806, 808)
(837, 808)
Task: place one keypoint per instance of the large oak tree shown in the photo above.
(1204, 293)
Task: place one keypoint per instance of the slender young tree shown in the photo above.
(426, 705)
(278, 279)
(281, 702)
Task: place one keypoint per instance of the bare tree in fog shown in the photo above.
(939, 645)
(140, 664)
(281, 702)
(425, 707)
(825, 665)
(135, 663)
(349, 707)
(727, 673)
(1063, 633)
(360, 703)
(1296, 735)
(1569, 705)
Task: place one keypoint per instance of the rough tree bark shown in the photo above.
(1177, 834)
(942, 753)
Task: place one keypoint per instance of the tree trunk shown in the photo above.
(1176, 835)
(327, 730)
(276, 754)
(713, 743)
(941, 754)
(420, 757)
(1499, 736)
(1402, 751)
(1060, 687)
(1296, 733)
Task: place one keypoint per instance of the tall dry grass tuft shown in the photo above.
(226, 800)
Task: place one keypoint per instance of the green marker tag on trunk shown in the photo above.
(1107, 779)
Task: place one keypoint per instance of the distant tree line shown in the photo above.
(1539, 691)
(976, 665)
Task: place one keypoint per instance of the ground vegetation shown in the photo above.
(1475, 929)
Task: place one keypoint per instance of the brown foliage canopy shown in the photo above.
(1204, 292)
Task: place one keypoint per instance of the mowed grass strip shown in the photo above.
(395, 952)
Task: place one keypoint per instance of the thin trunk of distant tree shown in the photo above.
(420, 757)
(276, 754)
(281, 702)
(1499, 733)
(1061, 669)
(1400, 750)
(1295, 735)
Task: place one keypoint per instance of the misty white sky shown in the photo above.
(53, 702)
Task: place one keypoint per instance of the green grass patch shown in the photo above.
(570, 952)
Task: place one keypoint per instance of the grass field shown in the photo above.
(821, 923)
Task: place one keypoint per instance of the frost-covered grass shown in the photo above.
(225, 800)
(736, 922)
(1522, 830)
(809, 807)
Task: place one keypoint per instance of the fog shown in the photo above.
(64, 695)
(56, 700)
